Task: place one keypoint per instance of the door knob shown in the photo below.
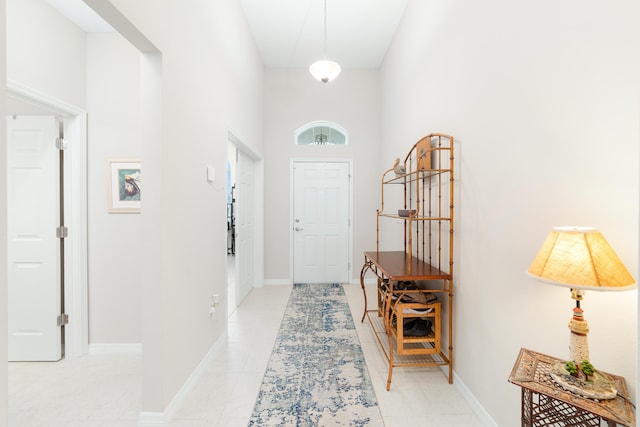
(298, 229)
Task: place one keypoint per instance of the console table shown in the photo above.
(391, 267)
(544, 403)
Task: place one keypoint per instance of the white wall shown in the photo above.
(45, 51)
(543, 99)
(211, 83)
(113, 102)
(3, 225)
(51, 55)
(292, 99)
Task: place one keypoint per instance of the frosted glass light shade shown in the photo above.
(324, 70)
(580, 258)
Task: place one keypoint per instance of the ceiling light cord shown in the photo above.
(325, 70)
(325, 29)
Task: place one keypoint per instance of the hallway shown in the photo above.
(101, 391)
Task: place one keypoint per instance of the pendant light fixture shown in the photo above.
(325, 70)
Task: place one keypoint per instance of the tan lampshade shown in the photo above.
(580, 258)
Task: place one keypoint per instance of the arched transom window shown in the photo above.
(321, 133)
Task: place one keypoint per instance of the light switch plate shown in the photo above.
(211, 174)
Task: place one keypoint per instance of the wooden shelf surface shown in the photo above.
(397, 265)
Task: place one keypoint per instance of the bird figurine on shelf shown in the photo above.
(399, 169)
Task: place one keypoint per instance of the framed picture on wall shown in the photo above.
(124, 185)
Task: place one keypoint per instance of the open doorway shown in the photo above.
(67, 164)
(119, 80)
(232, 154)
(244, 221)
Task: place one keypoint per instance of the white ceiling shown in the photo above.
(289, 33)
(82, 15)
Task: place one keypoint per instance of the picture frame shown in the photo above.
(124, 185)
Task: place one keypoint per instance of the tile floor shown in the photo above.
(104, 391)
(93, 391)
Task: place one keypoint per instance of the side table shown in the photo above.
(546, 404)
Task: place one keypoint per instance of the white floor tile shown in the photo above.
(104, 390)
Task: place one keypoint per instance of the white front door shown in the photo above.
(321, 222)
(33, 291)
(244, 226)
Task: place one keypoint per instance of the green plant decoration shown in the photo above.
(571, 368)
(587, 368)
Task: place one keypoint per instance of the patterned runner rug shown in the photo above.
(317, 374)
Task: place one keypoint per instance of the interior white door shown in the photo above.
(244, 226)
(321, 222)
(33, 290)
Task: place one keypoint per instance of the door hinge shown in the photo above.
(61, 143)
(62, 232)
(63, 319)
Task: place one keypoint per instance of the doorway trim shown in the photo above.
(291, 219)
(258, 205)
(75, 176)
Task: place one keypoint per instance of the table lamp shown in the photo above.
(581, 259)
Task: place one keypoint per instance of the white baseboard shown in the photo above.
(115, 348)
(477, 408)
(158, 419)
(276, 282)
(151, 419)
